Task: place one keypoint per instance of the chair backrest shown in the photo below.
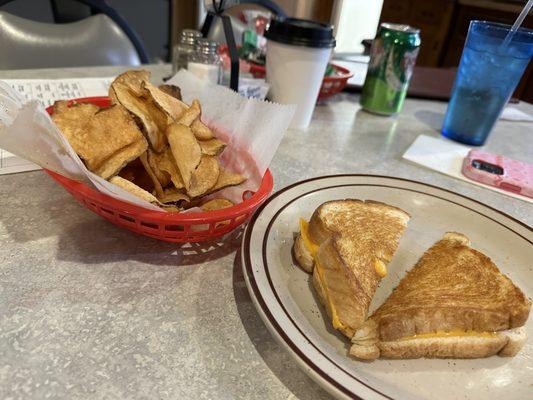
(96, 40)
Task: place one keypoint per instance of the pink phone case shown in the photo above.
(517, 176)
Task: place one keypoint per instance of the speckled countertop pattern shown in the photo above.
(88, 310)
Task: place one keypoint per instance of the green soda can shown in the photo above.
(392, 59)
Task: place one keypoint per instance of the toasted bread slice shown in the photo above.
(347, 246)
(454, 303)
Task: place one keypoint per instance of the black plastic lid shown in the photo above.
(300, 32)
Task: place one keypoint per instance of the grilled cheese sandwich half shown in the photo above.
(347, 245)
(454, 303)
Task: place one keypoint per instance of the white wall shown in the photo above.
(358, 20)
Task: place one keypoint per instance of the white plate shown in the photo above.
(285, 300)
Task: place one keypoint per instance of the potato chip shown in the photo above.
(153, 120)
(186, 151)
(201, 131)
(212, 147)
(170, 105)
(216, 204)
(133, 80)
(173, 195)
(117, 161)
(61, 106)
(153, 160)
(171, 90)
(72, 120)
(157, 185)
(134, 189)
(193, 112)
(128, 89)
(106, 140)
(225, 179)
(166, 166)
(136, 173)
(204, 177)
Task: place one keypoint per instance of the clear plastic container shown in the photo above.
(184, 49)
(486, 79)
(205, 63)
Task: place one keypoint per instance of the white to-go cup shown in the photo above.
(298, 52)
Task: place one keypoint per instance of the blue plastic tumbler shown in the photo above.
(486, 79)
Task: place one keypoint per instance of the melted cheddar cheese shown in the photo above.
(381, 268)
(453, 333)
(309, 244)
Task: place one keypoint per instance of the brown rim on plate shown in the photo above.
(247, 267)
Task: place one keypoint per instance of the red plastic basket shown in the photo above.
(161, 225)
(334, 84)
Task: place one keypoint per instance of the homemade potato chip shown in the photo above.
(80, 109)
(225, 179)
(157, 185)
(128, 90)
(153, 160)
(204, 177)
(141, 193)
(173, 195)
(201, 131)
(166, 169)
(186, 151)
(72, 122)
(171, 90)
(133, 80)
(106, 140)
(136, 173)
(117, 161)
(173, 107)
(212, 147)
(134, 189)
(216, 204)
(193, 112)
(153, 120)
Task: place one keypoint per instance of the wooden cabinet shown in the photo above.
(504, 12)
(432, 17)
(468, 10)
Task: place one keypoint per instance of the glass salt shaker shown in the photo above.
(205, 62)
(184, 49)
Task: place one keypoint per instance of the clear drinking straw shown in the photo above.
(517, 24)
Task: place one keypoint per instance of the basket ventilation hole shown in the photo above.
(174, 228)
(149, 225)
(126, 218)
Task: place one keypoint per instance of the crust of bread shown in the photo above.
(448, 347)
(367, 353)
(517, 338)
(505, 344)
(302, 255)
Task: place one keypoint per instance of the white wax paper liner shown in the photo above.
(252, 129)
